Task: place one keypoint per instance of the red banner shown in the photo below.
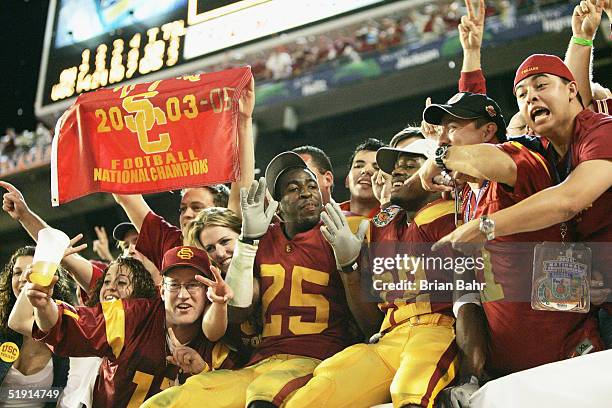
(149, 137)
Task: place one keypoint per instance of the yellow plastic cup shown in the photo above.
(50, 249)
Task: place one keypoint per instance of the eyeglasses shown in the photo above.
(191, 287)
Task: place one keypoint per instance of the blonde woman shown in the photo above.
(216, 230)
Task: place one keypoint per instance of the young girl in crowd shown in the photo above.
(124, 278)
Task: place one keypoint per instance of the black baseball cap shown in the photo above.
(467, 105)
(121, 229)
(280, 164)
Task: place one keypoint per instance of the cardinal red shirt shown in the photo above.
(392, 232)
(130, 336)
(473, 81)
(603, 106)
(520, 337)
(156, 237)
(304, 308)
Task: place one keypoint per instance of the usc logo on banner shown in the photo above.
(185, 253)
(150, 137)
(146, 115)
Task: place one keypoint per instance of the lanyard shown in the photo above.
(552, 156)
(468, 206)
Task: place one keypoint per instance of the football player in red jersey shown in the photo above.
(303, 303)
(319, 163)
(131, 334)
(414, 355)
(511, 173)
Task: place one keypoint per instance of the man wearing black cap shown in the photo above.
(320, 164)
(126, 235)
(303, 304)
(500, 176)
(131, 334)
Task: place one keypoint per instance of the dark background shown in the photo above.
(22, 40)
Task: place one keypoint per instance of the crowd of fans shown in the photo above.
(256, 299)
(13, 144)
(427, 22)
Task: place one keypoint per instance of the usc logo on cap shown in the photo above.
(185, 253)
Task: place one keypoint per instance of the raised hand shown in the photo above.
(471, 28)
(13, 202)
(246, 103)
(100, 245)
(255, 220)
(430, 131)
(218, 290)
(38, 296)
(72, 249)
(608, 8)
(184, 357)
(430, 175)
(586, 18)
(381, 186)
(337, 232)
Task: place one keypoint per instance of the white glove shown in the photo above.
(255, 220)
(458, 396)
(239, 276)
(336, 231)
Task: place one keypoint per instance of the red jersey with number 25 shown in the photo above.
(303, 302)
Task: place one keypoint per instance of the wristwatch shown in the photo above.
(487, 227)
(469, 379)
(352, 267)
(440, 155)
(250, 241)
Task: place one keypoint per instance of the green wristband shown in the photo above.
(582, 41)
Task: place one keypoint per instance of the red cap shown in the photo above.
(542, 64)
(186, 256)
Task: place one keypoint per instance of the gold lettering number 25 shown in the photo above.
(297, 298)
